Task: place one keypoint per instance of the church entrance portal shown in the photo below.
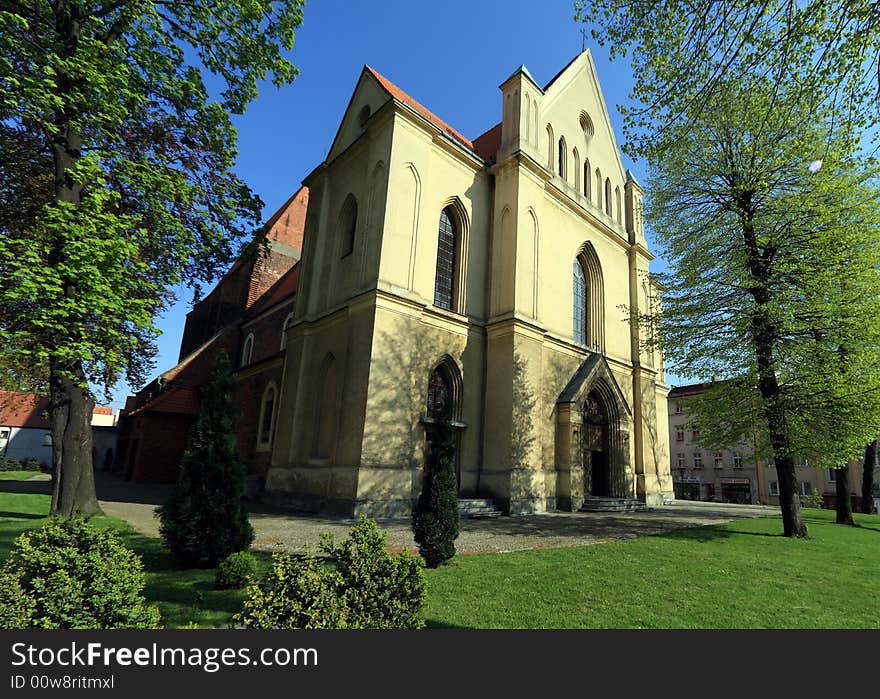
(596, 451)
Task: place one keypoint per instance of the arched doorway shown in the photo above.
(596, 448)
(442, 418)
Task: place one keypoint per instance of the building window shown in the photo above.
(267, 416)
(287, 321)
(444, 286)
(737, 461)
(247, 353)
(4, 434)
(831, 475)
(348, 224)
(679, 434)
(587, 300)
(806, 488)
(580, 304)
(444, 391)
(587, 178)
(617, 205)
(550, 144)
(562, 158)
(680, 460)
(576, 167)
(679, 409)
(698, 459)
(774, 488)
(599, 188)
(718, 460)
(608, 196)
(695, 435)
(47, 440)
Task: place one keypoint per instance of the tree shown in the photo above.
(206, 519)
(110, 99)
(870, 464)
(684, 51)
(773, 277)
(436, 519)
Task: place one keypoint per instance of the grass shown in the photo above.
(738, 575)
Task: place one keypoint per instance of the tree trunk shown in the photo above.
(764, 338)
(73, 487)
(71, 403)
(844, 499)
(868, 478)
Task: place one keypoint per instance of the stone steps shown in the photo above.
(593, 503)
(475, 508)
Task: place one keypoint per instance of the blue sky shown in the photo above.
(450, 56)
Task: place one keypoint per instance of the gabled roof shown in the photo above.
(19, 409)
(488, 144)
(403, 97)
(278, 293)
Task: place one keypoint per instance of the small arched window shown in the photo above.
(444, 279)
(617, 206)
(599, 188)
(577, 168)
(287, 321)
(267, 416)
(444, 391)
(588, 176)
(247, 352)
(348, 224)
(608, 196)
(550, 146)
(562, 157)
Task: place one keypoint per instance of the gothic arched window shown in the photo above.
(580, 304)
(348, 224)
(444, 280)
(563, 155)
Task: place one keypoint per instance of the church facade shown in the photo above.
(491, 280)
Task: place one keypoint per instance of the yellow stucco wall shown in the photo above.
(509, 334)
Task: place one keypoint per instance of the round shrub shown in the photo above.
(298, 593)
(381, 591)
(236, 570)
(71, 575)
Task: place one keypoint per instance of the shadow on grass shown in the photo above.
(435, 624)
(27, 487)
(21, 515)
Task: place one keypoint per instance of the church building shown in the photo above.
(491, 279)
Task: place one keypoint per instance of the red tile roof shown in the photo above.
(401, 96)
(102, 411)
(19, 409)
(180, 400)
(488, 144)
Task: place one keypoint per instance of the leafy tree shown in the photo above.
(436, 519)
(870, 464)
(205, 519)
(684, 51)
(109, 100)
(772, 277)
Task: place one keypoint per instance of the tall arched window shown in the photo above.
(599, 188)
(588, 176)
(247, 352)
(562, 157)
(608, 196)
(580, 304)
(267, 416)
(444, 280)
(551, 144)
(348, 224)
(576, 167)
(287, 321)
(588, 301)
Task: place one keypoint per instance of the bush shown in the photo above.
(71, 575)
(236, 570)
(816, 500)
(30, 465)
(298, 593)
(381, 591)
(10, 464)
(435, 519)
(205, 520)
(368, 588)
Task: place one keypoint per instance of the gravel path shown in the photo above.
(136, 503)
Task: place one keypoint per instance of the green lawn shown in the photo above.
(739, 575)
